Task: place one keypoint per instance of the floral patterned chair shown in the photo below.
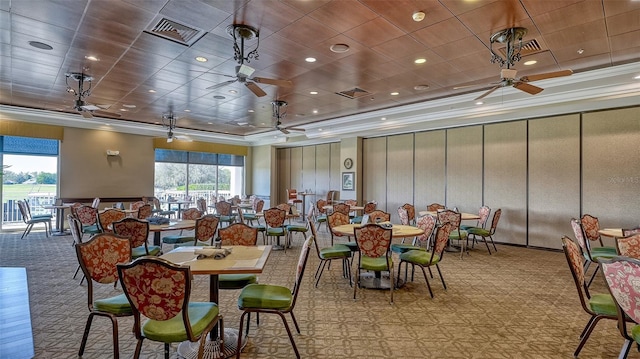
(598, 306)
(256, 207)
(275, 218)
(192, 214)
(88, 216)
(201, 205)
(629, 246)
(326, 255)
(591, 255)
(98, 258)
(460, 235)
(189, 214)
(630, 231)
(379, 216)
(424, 259)
(403, 214)
(422, 242)
(338, 219)
(260, 228)
(204, 232)
(474, 232)
(237, 234)
(434, 207)
(341, 208)
(622, 275)
(107, 217)
(591, 226)
(144, 211)
(76, 232)
(274, 299)
(160, 291)
(374, 253)
(137, 231)
(368, 208)
(411, 212)
(224, 212)
(134, 206)
(483, 213)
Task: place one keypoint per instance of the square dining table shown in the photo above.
(242, 259)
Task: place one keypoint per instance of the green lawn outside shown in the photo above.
(21, 191)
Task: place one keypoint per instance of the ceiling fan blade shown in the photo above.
(222, 84)
(295, 129)
(486, 93)
(255, 89)
(284, 130)
(268, 81)
(528, 88)
(86, 114)
(547, 75)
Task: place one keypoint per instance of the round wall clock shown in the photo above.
(348, 163)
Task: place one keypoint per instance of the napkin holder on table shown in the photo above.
(214, 253)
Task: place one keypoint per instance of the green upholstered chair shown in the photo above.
(188, 214)
(427, 224)
(457, 234)
(591, 255)
(137, 230)
(483, 213)
(296, 228)
(622, 274)
(257, 207)
(98, 258)
(484, 233)
(338, 219)
(172, 317)
(374, 253)
(629, 246)
(274, 299)
(598, 306)
(260, 228)
(88, 216)
(424, 259)
(327, 255)
(368, 208)
(224, 212)
(319, 213)
(237, 234)
(274, 218)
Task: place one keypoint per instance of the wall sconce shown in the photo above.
(113, 153)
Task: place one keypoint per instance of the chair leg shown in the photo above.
(391, 281)
(356, 282)
(76, 273)
(319, 271)
(166, 350)
(27, 230)
(595, 271)
(286, 326)
(590, 325)
(441, 277)
(295, 322)
(492, 242)
(239, 345)
(625, 349)
(424, 274)
(114, 329)
(87, 327)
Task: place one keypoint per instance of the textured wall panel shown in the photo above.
(554, 178)
(323, 156)
(611, 167)
(505, 178)
(464, 168)
(374, 170)
(334, 169)
(430, 168)
(399, 173)
(283, 179)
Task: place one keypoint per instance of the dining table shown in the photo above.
(157, 229)
(59, 208)
(377, 280)
(240, 260)
(611, 232)
(179, 203)
(304, 201)
(463, 216)
(351, 208)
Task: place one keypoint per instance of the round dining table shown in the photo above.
(157, 229)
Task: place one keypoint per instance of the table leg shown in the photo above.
(156, 238)
(60, 231)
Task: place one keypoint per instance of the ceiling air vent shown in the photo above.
(175, 31)
(528, 48)
(353, 93)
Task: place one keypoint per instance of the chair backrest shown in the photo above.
(441, 238)
(285, 207)
(578, 232)
(449, 216)
(135, 229)
(201, 205)
(223, 208)
(258, 205)
(275, 217)
(87, 215)
(483, 213)
(314, 233)
(95, 203)
(206, 227)
(337, 219)
(144, 211)
(629, 246)
(159, 302)
(590, 226)
(427, 224)
(574, 260)
(630, 232)
(350, 202)
(73, 208)
(292, 193)
(494, 221)
(98, 258)
(434, 207)
(136, 205)
(26, 216)
(108, 216)
(75, 227)
(370, 207)
(240, 215)
(191, 214)
(622, 275)
(411, 211)
(404, 216)
(238, 234)
(320, 206)
(156, 203)
(302, 264)
(379, 216)
(330, 196)
(341, 207)
(373, 240)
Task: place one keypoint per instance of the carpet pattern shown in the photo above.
(516, 303)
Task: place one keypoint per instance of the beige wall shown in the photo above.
(86, 171)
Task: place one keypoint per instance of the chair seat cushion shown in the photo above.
(141, 251)
(265, 296)
(41, 216)
(466, 227)
(226, 218)
(635, 333)
(337, 251)
(93, 229)
(115, 305)
(236, 281)
(297, 228)
(603, 304)
(356, 219)
(260, 228)
(353, 246)
(477, 231)
(279, 231)
(250, 216)
(177, 239)
(605, 252)
(201, 314)
(376, 264)
(321, 218)
(455, 235)
(422, 258)
(402, 247)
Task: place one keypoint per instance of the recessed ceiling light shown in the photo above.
(157, 123)
(339, 48)
(580, 51)
(479, 102)
(420, 61)
(310, 59)
(251, 111)
(209, 123)
(123, 110)
(530, 62)
(313, 92)
(233, 91)
(40, 45)
(418, 16)
(394, 93)
(315, 111)
(262, 123)
(187, 110)
(129, 106)
(420, 87)
(383, 118)
(219, 97)
(152, 91)
(243, 123)
(201, 59)
(319, 129)
(637, 77)
(91, 58)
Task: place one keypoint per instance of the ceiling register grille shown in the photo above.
(175, 31)
(353, 93)
(528, 48)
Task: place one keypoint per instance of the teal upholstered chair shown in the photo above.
(457, 234)
(188, 214)
(204, 231)
(224, 212)
(327, 255)
(88, 216)
(172, 317)
(368, 208)
(591, 255)
(274, 299)
(374, 253)
(484, 233)
(98, 258)
(319, 213)
(274, 218)
(137, 230)
(424, 259)
(257, 207)
(427, 224)
(598, 306)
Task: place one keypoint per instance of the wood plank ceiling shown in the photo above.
(138, 75)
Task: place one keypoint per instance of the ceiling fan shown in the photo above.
(512, 38)
(279, 112)
(81, 93)
(243, 72)
(169, 122)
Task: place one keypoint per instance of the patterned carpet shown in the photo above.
(517, 303)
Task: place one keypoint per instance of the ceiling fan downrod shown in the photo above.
(508, 37)
(243, 32)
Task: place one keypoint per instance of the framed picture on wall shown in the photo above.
(347, 181)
